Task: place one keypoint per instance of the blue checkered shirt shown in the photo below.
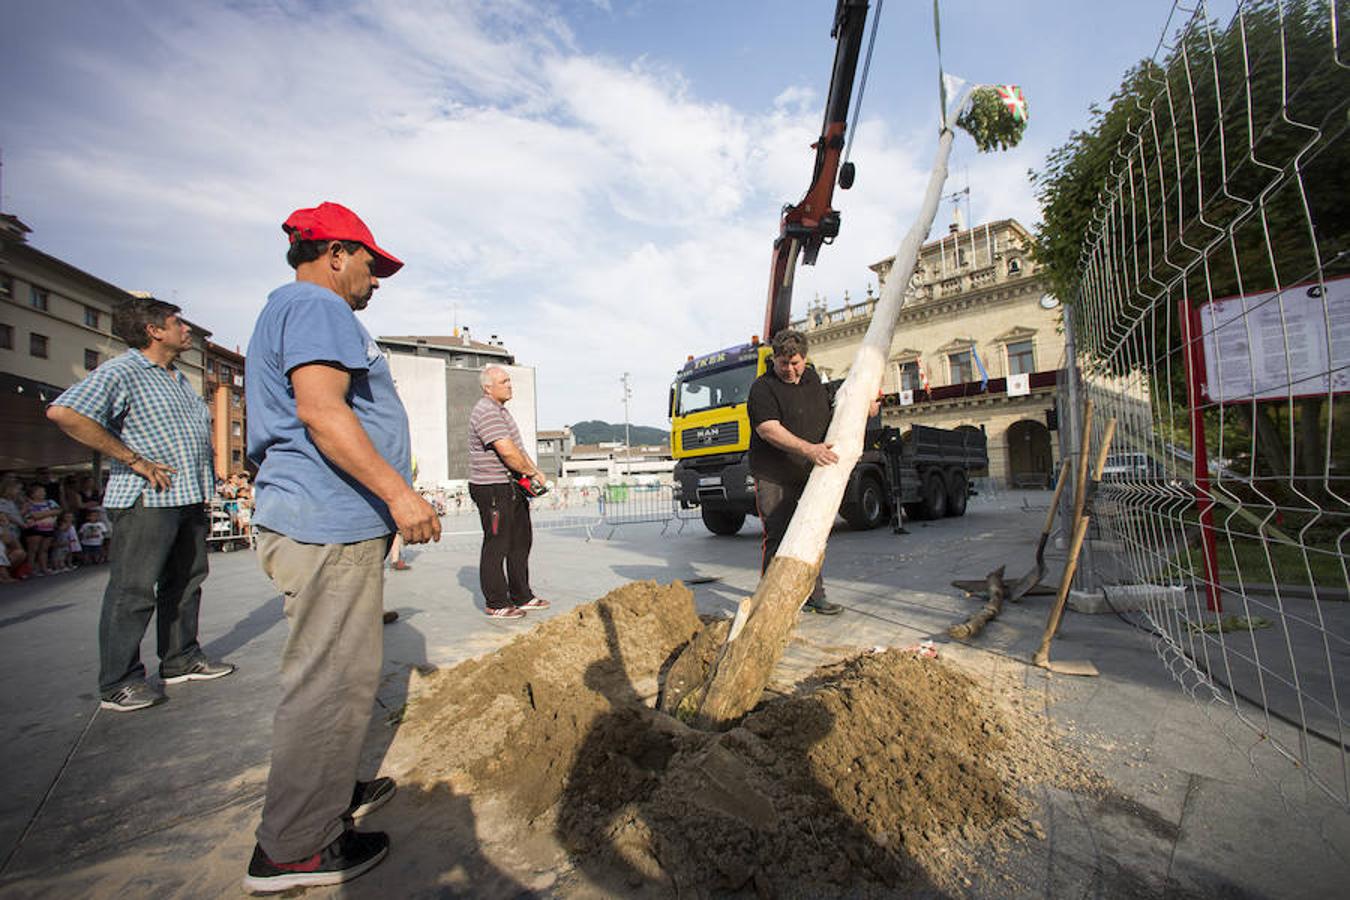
(156, 413)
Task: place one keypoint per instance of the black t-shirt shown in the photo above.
(802, 408)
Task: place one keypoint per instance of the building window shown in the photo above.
(235, 400)
(909, 376)
(962, 367)
(91, 360)
(6, 286)
(236, 429)
(6, 337)
(1021, 358)
(211, 366)
(37, 345)
(236, 457)
(38, 298)
(91, 317)
(1014, 267)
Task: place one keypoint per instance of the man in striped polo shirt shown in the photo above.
(494, 454)
(139, 410)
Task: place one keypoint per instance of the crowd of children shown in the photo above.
(50, 526)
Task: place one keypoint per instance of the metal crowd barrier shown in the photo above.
(231, 527)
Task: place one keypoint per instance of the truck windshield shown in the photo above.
(709, 390)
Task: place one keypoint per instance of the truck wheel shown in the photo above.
(934, 496)
(722, 521)
(869, 510)
(958, 492)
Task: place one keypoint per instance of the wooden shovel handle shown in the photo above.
(1064, 472)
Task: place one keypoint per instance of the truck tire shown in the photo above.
(869, 510)
(958, 492)
(722, 521)
(934, 496)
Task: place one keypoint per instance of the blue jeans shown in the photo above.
(158, 566)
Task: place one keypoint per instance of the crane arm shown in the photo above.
(813, 222)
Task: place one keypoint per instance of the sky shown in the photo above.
(598, 183)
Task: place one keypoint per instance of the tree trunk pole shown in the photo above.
(764, 622)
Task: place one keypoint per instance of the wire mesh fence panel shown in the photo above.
(1213, 323)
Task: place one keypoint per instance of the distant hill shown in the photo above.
(593, 431)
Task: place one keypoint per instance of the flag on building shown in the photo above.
(923, 374)
(979, 364)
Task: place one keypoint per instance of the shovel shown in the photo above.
(1042, 655)
(1023, 586)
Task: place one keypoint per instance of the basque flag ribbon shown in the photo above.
(979, 364)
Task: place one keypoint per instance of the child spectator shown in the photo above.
(13, 566)
(65, 544)
(39, 526)
(11, 502)
(93, 536)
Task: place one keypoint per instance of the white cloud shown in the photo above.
(595, 213)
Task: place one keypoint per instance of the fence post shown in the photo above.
(1195, 365)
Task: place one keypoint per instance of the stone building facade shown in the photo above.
(223, 389)
(55, 328)
(979, 343)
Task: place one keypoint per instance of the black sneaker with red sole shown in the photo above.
(353, 853)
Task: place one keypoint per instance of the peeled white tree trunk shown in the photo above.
(764, 622)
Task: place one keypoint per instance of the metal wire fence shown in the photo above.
(1213, 323)
(600, 510)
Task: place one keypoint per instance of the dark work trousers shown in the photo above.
(507, 537)
(158, 566)
(775, 504)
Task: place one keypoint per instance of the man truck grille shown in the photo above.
(723, 434)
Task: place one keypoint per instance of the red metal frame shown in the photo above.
(1193, 344)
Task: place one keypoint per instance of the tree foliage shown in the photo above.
(1217, 170)
(988, 120)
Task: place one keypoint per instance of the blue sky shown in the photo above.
(597, 183)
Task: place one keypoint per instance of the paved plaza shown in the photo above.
(163, 802)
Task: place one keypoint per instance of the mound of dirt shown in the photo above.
(886, 771)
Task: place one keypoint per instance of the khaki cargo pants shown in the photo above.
(330, 670)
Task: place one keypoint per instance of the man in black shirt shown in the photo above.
(789, 413)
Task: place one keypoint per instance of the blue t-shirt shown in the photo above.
(298, 492)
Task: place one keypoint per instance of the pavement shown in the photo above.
(163, 802)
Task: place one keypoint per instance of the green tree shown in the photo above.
(1219, 170)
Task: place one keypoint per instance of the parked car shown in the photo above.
(1131, 467)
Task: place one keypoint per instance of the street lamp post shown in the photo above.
(627, 451)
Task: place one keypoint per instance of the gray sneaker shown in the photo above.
(822, 607)
(131, 697)
(201, 670)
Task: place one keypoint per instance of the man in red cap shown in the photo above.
(330, 438)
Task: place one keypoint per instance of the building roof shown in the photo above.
(216, 350)
(446, 342)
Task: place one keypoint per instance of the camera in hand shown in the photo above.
(531, 487)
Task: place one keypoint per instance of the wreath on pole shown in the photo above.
(995, 116)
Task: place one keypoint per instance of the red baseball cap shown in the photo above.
(335, 222)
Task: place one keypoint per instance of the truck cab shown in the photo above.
(710, 434)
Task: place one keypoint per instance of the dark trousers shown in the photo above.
(507, 537)
(775, 503)
(158, 566)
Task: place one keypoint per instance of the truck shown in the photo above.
(924, 471)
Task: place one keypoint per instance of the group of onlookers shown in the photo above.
(49, 526)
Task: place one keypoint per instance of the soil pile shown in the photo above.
(886, 771)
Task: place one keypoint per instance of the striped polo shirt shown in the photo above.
(489, 422)
(155, 412)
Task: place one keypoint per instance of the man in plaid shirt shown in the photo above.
(139, 410)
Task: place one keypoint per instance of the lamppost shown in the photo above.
(627, 452)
